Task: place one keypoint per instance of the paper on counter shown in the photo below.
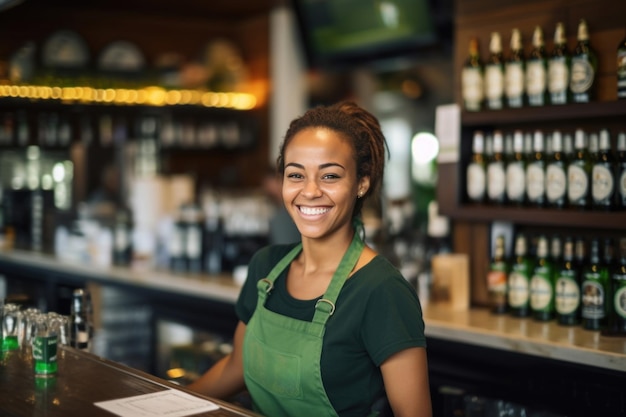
(170, 403)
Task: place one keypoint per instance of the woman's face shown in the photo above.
(320, 186)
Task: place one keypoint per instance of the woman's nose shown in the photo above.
(311, 189)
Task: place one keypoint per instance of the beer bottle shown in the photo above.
(496, 177)
(558, 68)
(603, 183)
(519, 279)
(535, 173)
(584, 66)
(579, 174)
(516, 171)
(80, 324)
(556, 177)
(514, 71)
(472, 78)
(542, 283)
(594, 285)
(497, 277)
(536, 71)
(494, 74)
(617, 312)
(476, 173)
(567, 287)
(621, 171)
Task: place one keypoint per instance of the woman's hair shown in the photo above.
(355, 124)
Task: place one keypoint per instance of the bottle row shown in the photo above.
(553, 170)
(543, 77)
(59, 130)
(572, 280)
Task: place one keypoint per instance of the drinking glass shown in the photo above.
(45, 346)
(10, 318)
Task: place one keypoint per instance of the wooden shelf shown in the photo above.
(539, 216)
(603, 109)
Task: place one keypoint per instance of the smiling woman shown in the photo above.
(327, 326)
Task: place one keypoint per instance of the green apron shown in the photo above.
(282, 355)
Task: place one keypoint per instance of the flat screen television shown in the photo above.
(346, 33)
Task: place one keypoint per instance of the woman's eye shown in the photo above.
(294, 175)
(330, 176)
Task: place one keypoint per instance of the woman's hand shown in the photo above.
(225, 378)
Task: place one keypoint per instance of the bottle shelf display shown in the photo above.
(544, 77)
(571, 280)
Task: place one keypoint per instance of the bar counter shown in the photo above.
(475, 327)
(82, 380)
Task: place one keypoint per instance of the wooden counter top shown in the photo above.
(524, 335)
(475, 326)
(216, 287)
(82, 380)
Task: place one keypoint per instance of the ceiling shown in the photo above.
(215, 9)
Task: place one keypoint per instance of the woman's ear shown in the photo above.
(364, 185)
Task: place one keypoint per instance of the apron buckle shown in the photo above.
(332, 305)
(270, 285)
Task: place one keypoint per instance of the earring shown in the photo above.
(360, 194)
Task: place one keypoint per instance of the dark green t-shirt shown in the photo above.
(377, 314)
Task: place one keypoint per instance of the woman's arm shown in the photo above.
(406, 383)
(225, 378)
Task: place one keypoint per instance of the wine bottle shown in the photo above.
(516, 172)
(621, 171)
(559, 67)
(567, 288)
(519, 279)
(621, 69)
(584, 67)
(476, 170)
(603, 185)
(535, 173)
(496, 176)
(536, 71)
(579, 174)
(617, 310)
(497, 277)
(515, 71)
(472, 78)
(542, 283)
(494, 74)
(556, 176)
(594, 285)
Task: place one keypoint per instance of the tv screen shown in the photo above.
(344, 33)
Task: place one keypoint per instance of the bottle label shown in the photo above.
(619, 298)
(514, 81)
(582, 75)
(515, 181)
(602, 185)
(592, 300)
(535, 182)
(578, 183)
(496, 181)
(535, 78)
(540, 293)
(622, 184)
(175, 246)
(472, 88)
(475, 181)
(121, 240)
(558, 79)
(567, 295)
(494, 86)
(556, 182)
(193, 246)
(519, 291)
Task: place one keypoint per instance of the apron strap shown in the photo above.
(265, 285)
(325, 306)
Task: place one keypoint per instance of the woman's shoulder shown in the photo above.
(268, 256)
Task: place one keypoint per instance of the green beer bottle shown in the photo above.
(542, 283)
(617, 312)
(519, 279)
(594, 287)
(567, 288)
